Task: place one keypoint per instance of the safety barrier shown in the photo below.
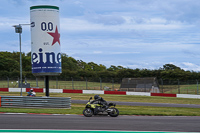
(43, 90)
(35, 102)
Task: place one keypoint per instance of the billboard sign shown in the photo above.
(45, 40)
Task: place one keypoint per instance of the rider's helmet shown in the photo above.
(31, 90)
(96, 97)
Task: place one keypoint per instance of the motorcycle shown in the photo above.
(95, 108)
(32, 94)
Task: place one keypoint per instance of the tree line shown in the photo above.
(72, 68)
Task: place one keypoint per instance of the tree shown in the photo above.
(69, 63)
(112, 68)
(170, 67)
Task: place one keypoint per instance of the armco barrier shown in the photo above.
(35, 102)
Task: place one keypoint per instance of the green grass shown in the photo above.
(124, 110)
(78, 85)
(183, 89)
(122, 98)
(81, 85)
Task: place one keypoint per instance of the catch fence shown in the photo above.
(110, 84)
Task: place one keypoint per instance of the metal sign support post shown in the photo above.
(47, 85)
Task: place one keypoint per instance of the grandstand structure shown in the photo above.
(149, 84)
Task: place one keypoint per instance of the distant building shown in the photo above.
(149, 84)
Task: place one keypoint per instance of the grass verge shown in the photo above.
(124, 110)
(121, 98)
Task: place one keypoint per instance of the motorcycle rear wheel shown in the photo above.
(114, 113)
(87, 112)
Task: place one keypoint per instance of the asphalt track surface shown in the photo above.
(144, 104)
(79, 122)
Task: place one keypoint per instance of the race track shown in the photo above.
(79, 122)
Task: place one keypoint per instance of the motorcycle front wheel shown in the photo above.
(87, 112)
(114, 113)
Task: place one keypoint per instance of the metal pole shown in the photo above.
(197, 87)
(100, 84)
(162, 85)
(128, 83)
(8, 81)
(20, 63)
(112, 83)
(18, 82)
(18, 29)
(86, 83)
(47, 85)
(36, 81)
(72, 83)
(178, 87)
(56, 82)
(145, 89)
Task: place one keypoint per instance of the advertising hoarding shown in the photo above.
(45, 40)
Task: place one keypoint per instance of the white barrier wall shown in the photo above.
(101, 92)
(93, 92)
(188, 96)
(55, 90)
(138, 93)
(16, 89)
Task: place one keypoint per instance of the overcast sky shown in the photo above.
(131, 33)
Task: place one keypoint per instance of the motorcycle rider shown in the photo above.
(99, 99)
(31, 93)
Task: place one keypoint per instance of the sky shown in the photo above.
(144, 34)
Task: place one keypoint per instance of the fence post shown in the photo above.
(8, 81)
(162, 84)
(145, 89)
(197, 87)
(112, 83)
(25, 81)
(36, 81)
(178, 87)
(72, 83)
(100, 84)
(128, 83)
(86, 83)
(18, 82)
(188, 88)
(56, 82)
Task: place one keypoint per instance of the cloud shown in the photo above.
(180, 10)
(190, 66)
(97, 52)
(194, 53)
(6, 23)
(109, 19)
(131, 33)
